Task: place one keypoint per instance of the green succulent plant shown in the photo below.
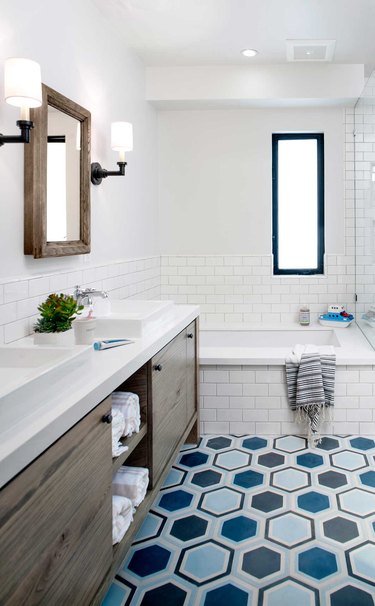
(57, 313)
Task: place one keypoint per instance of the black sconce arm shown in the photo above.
(98, 173)
(25, 126)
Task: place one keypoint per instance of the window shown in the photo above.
(298, 203)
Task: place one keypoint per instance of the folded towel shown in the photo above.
(131, 482)
(118, 426)
(122, 517)
(310, 377)
(128, 404)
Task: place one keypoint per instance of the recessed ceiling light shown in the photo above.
(249, 52)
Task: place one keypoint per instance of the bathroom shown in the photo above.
(249, 510)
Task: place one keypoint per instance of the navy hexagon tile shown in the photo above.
(255, 521)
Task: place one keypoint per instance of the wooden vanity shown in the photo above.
(56, 514)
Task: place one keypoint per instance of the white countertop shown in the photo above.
(31, 420)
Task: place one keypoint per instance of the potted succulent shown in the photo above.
(54, 327)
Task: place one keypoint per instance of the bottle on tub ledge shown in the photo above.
(304, 315)
(336, 317)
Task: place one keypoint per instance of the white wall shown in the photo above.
(215, 185)
(84, 58)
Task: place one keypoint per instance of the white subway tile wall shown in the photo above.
(253, 399)
(242, 288)
(19, 299)
(360, 179)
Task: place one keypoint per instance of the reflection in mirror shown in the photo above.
(63, 166)
(57, 179)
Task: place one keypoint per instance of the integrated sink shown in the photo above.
(132, 319)
(29, 357)
(21, 365)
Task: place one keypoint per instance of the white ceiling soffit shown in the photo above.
(310, 50)
(207, 32)
(287, 85)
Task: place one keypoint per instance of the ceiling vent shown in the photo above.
(310, 50)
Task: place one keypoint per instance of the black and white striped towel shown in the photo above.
(310, 378)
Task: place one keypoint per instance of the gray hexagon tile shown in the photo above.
(255, 521)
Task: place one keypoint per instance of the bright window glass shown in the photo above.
(297, 207)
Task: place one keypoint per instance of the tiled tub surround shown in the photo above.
(241, 288)
(253, 399)
(360, 177)
(19, 299)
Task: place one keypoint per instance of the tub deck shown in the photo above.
(270, 344)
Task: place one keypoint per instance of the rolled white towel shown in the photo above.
(131, 482)
(118, 426)
(122, 517)
(128, 404)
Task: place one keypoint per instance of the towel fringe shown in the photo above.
(312, 415)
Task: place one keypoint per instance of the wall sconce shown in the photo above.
(23, 88)
(121, 141)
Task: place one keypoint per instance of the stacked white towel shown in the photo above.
(131, 482)
(128, 404)
(122, 517)
(118, 426)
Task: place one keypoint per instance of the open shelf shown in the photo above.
(120, 550)
(131, 442)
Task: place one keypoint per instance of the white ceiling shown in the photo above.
(204, 32)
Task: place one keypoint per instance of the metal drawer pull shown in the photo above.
(107, 418)
(158, 367)
(190, 335)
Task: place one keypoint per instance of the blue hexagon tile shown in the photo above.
(256, 521)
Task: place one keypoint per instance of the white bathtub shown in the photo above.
(270, 344)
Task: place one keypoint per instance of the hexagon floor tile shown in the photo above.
(251, 521)
(289, 529)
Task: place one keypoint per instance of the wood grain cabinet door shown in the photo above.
(168, 377)
(56, 520)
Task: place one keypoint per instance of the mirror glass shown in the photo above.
(63, 179)
(57, 179)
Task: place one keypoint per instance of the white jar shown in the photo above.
(304, 315)
(84, 330)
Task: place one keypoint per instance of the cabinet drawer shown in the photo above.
(55, 520)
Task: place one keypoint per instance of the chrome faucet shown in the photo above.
(85, 296)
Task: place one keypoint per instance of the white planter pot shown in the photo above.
(57, 339)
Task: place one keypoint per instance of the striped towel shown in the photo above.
(310, 378)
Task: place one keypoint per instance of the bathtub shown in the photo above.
(243, 384)
(270, 344)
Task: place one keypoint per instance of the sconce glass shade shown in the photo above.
(22, 83)
(122, 136)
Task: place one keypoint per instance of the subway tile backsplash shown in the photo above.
(19, 299)
(242, 288)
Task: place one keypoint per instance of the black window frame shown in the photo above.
(276, 137)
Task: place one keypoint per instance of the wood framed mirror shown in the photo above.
(57, 179)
